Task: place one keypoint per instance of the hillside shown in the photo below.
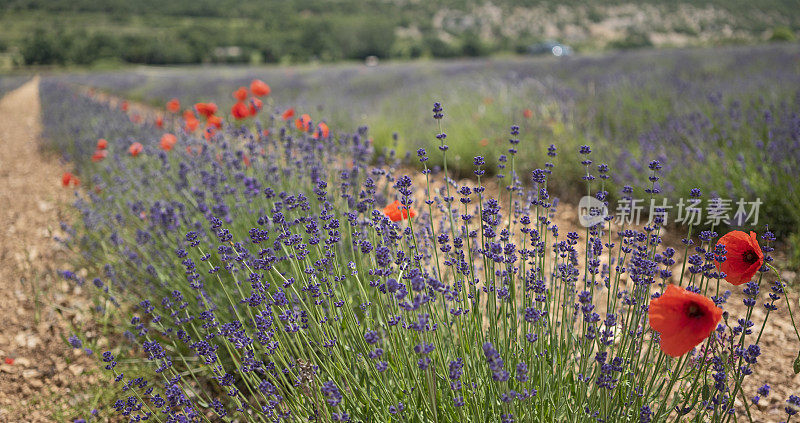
(248, 31)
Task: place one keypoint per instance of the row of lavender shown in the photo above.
(10, 83)
(273, 274)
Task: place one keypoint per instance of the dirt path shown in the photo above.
(40, 375)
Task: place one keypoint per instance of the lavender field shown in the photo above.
(394, 249)
(9, 83)
(712, 117)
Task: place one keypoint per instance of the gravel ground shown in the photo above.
(42, 378)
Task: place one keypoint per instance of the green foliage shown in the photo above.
(43, 48)
(308, 30)
(782, 33)
(633, 39)
(472, 46)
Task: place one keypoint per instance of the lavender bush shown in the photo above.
(265, 281)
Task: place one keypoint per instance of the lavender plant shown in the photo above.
(278, 288)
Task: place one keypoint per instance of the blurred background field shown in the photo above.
(83, 32)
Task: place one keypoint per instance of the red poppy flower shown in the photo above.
(255, 106)
(9, 361)
(240, 110)
(528, 113)
(188, 114)
(214, 121)
(124, 106)
(303, 123)
(322, 131)
(397, 211)
(135, 149)
(206, 109)
(68, 178)
(683, 319)
(209, 132)
(259, 88)
(288, 114)
(240, 94)
(160, 122)
(191, 124)
(102, 144)
(168, 141)
(99, 155)
(174, 105)
(246, 160)
(743, 257)
(484, 142)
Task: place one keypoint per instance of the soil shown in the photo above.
(42, 378)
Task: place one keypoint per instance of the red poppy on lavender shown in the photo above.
(255, 106)
(68, 179)
(191, 125)
(683, 319)
(102, 144)
(190, 121)
(168, 141)
(240, 110)
(322, 131)
(214, 121)
(174, 105)
(99, 155)
(206, 109)
(303, 123)
(259, 88)
(135, 149)
(288, 114)
(397, 211)
(240, 94)
(743, 257)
